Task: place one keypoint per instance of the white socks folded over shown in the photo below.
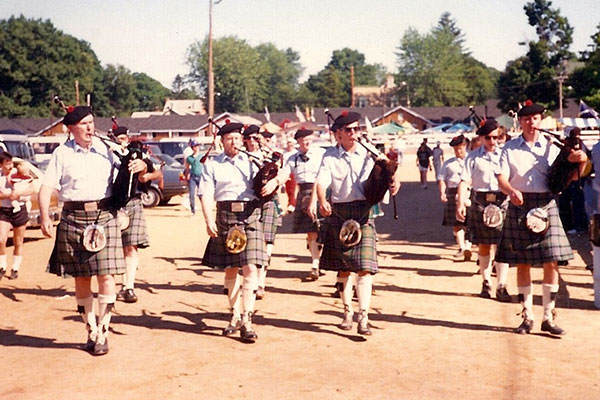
(233, 288)
(549, 292)
(131, 264)
(315, 253)
(364, 288)
(105, 304)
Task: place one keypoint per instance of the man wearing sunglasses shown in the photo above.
(479, 172)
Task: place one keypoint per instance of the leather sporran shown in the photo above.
(94, 238)
(350, 233)
(537, 221)
(236, 240)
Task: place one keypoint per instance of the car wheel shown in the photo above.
(151, 198)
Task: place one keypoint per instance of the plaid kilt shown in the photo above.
(480, 233)
(70, 259)
(450, 209)
(519, 246)
(217, 256)
(136, 233)
(302, 222)
(271, 219)
(337, 257)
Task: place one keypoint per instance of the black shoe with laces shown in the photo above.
(527, 324)
(486, 290)
(14, 274)
(129, 296)
(552, 328)
(502, 295)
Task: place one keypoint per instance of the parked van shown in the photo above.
(17, 144)
(43, 146)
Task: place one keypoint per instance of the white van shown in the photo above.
(43, 146)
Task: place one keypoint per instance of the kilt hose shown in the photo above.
(302, 222)
(480, 233)
(217, 256)
(336, 256)
(450, 209)
(520, 246)
(271, 219)
(136, 233)
(70, 259)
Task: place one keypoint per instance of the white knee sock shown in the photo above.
(270, 249)
(249, 292)
(3, 261)
(262, 277)
(485, 267)
(364, 285)
(85, 307)
(105, 305)
(315, 253)
(549, 293)
(131, 264)
(17, 262)
(347, 291)
(460, 238)
(526, 297)
(502, 273)
(233, 290)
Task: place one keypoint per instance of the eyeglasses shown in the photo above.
(491, 137)
(350, 129)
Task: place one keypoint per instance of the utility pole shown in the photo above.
(352, 86)
(76, 92)
(211, 80)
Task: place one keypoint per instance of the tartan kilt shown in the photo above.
(336, 256)
(302, 222)
(450, 209)
(480, 233)
(271, 219)
(136, 233)
(217, 256)
(520, 246)
(70, 259)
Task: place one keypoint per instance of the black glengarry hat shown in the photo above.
(457, 140)
(120, 130)
(76, 114)
(530, 108)
(250, 130)
(487, 126)
(230, 127)
(302, 132)
(344, 119)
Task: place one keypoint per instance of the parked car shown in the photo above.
(34, 211)
(17, 144)
(171, 184)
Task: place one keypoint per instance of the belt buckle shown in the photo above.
(90, 206)
(237, 206)
(491, 197)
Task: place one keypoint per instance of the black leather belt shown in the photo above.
(237, 206)
(99, 205)
(489, 197)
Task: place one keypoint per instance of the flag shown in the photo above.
(267, 115)
(586, 111)
(299, 115)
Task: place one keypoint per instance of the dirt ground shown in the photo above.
(433, 336)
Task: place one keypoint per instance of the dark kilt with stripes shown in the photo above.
(337, 257)
(302, 222)
(217, 256)
(271, 219)
(480, 233)
(136, 233)
(519, 246)
(70, 259)
(450, 209)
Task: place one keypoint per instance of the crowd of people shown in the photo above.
(495, 196)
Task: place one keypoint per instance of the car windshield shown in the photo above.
(170, 161)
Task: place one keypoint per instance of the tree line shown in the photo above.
(436, 69)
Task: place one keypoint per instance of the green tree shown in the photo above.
(150, 94)
(552, 28)
(281, 70)
(38, 61)
(586, 80)
(120, 89)
(448, 24)
(182, 90)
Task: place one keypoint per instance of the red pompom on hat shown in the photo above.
(528, 103)
(344, 113)
(114, 127)
(482, 123)
(530, 108)
(70, 109)
(227, 121)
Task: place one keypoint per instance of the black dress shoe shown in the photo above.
(248, 335)
(100, 349)
(502, 295)
(129, 296)
(552, 328)
(525, 327)
(89, 345)
(486, 290)
(13, 274)
(2, 272)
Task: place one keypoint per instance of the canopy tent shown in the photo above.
(389, 128)
(582, 123)
(457, 128)
(438, 128)
(506, 121)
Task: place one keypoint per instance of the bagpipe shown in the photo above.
(381, 176)
(562, 171)
(126, 184)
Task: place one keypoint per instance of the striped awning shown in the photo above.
(582, 123)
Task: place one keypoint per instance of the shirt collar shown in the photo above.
(540, 142)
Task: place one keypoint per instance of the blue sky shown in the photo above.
(152, 36)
